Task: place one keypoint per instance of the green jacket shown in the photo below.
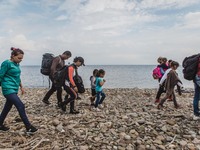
(10, 77)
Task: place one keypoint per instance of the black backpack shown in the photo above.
(79, 82)
(46, 63)
(190, 65)
(60, 76)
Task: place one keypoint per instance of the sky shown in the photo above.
(103, 32)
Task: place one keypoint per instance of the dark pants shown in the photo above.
(196, 99)
(166, 97)
(72, 96)
(160, 90)
(100, 97)
(13, 99)
(51, 91)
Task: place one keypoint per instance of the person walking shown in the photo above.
(197, 92)
(172, 80)
(93, 86)
(99, 90)
(70, 86)
(57, 64)
(10, 83)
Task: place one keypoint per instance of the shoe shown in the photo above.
(100, 106)
(160, 106)
(157, 101)
(78, 98)
(74, 111)
(4, 128)
(46, 102)
(31, 129)
(92, 104)
(196, 117)
(170, 100)
(97, 109)
(63, 107)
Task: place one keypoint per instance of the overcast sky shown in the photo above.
(102, 31)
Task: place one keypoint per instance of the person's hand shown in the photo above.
(22, 90)
(76, 89)
(104, 80)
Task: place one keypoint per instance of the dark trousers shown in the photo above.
(166, 97)
(72, 96)
(160, 91)
(13, 99)
(51, 91)
(196, 99)
(100, 98)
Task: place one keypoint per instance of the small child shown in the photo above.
(93, 86)
(99, 89)
(171, 81)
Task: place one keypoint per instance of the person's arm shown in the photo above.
(55, 62)
(92, 81)
(164, 77)
(101, 83)
(21, 88)
(71, 74)
(3, 70)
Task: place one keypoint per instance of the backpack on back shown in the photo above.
(60, 76)
(190, 65)
(79, 82)
(157, 73)
(46, 63)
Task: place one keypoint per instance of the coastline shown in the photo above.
(129, 120)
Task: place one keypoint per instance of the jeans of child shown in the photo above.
(196, 99)
(13, 99)
(100, 97)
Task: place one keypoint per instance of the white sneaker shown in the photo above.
(100, 106)
(196, 117)
(97, 109)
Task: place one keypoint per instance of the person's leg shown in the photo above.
(103, 96)
(13, 98)
(48, 94)
(174, 100)
(70, 100)
(196, 100)
(160, 105)
(97, 99)
(59, 96)
(5, 111)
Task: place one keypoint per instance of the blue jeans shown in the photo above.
(13, 99)
(100, 97)
(196, 99)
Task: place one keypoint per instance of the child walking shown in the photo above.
(172, 80)
(99, 89)
(93, 86)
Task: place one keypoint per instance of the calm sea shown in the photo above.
(117, 76)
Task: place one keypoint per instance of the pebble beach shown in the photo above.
(129, 121)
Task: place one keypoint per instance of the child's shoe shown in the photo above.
(160, 106)
(100, 106)
(96, 109)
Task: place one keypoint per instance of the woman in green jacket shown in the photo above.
(10, 83)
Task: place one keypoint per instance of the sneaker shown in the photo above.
(195, 117)
(59, 104)
(157, 101)
(31, 129)
(78, 98)
(74, 111)
(46, 102)
(97, 109)
(100, 106)
(63, 107)
(4, 128)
